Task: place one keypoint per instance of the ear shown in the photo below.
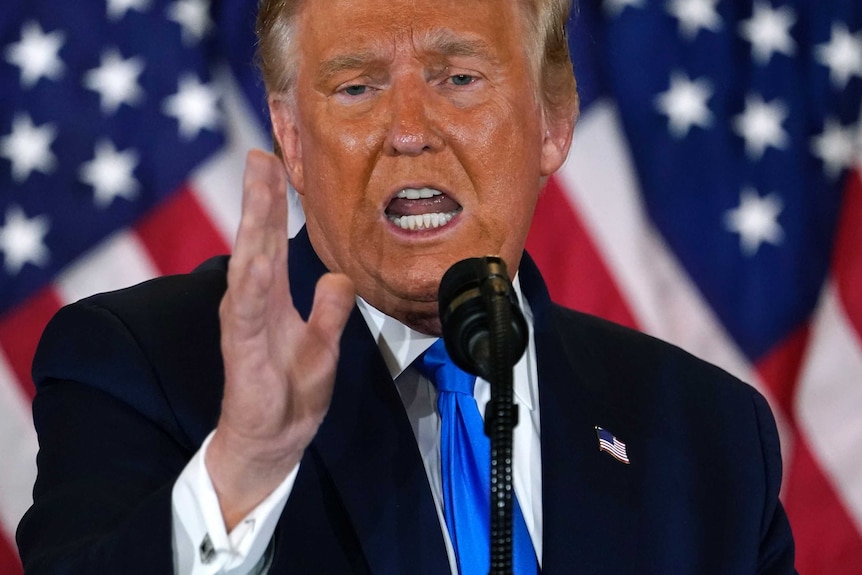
(557, 139)
(285, 131)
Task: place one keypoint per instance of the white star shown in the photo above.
(842, 55)
(760, 126)
(37, 54)
(117, 8)
(614, 8)
(769, 32)
(116, 81)
(685, 104)
(694, 15)
(755, 220)
(193, 16)
(195, 106)
(836, 146)
(29, 147)
(110, 174)
(22, 240)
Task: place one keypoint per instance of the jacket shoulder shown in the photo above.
(656, 386)
(154, 346)
(632, 355)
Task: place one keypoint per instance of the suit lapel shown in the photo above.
(367, 447)
(590, 500)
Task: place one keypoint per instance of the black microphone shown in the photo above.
(469, 292)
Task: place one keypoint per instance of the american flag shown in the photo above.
(713, 197)
(609, 442)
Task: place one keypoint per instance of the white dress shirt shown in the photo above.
(203, 547)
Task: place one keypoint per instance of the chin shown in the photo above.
(418, 283)
(417, 308)
(424, 323)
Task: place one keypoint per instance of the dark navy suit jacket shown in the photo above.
(130, 383)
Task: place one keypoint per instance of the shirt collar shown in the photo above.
(400, 345)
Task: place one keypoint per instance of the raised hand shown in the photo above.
(279, 370)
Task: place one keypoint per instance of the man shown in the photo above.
(417, 134)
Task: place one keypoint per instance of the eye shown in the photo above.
(462, 79)
(355, 90)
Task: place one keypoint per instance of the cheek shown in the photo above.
(503, 135)
(482, 129)
(351, 140)
(330, 140)
(332, 168)
(346, 153)
(506, 153)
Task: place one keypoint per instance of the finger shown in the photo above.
(264, 207)
(277, 239)
(251, 235)
(262, 228)
(267, 172)
(249, 285)
(260, 253)
(334, 298)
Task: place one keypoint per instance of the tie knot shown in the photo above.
(437, 366)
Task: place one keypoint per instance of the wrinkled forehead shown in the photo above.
(458, 27)
(401, 11)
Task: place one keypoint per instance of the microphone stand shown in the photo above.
(501, 416)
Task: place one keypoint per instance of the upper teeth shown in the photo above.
(415, 194)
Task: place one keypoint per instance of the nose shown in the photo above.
(413, 127)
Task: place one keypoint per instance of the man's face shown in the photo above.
(416, 140)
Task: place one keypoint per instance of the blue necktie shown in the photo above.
(466, 470)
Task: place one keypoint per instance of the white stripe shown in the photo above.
(618, 449)
(18, 446)
(829, 400)
(119, 261)
(618, 454)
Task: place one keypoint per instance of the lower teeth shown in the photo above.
(422, 221)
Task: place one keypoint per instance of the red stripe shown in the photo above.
(847, 265)
(20, 331)
(779, 370)
(179, 235)
(826, 538)
(570, 262)
(9, 562)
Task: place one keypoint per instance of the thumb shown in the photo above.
(333, 300)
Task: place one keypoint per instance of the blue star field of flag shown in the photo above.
(742, 118)
(107, 106)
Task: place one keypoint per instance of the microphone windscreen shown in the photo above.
(465, 296)
(460, 279)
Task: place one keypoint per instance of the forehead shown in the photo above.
(328, 28)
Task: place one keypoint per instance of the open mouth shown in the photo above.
(421, 209)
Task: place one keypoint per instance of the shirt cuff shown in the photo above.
(202, 545)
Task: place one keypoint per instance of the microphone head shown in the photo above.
(465, 295)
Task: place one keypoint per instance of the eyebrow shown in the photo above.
(345, 62)
(439, 43)
(445, 43)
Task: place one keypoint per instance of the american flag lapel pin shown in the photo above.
(609, 443)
